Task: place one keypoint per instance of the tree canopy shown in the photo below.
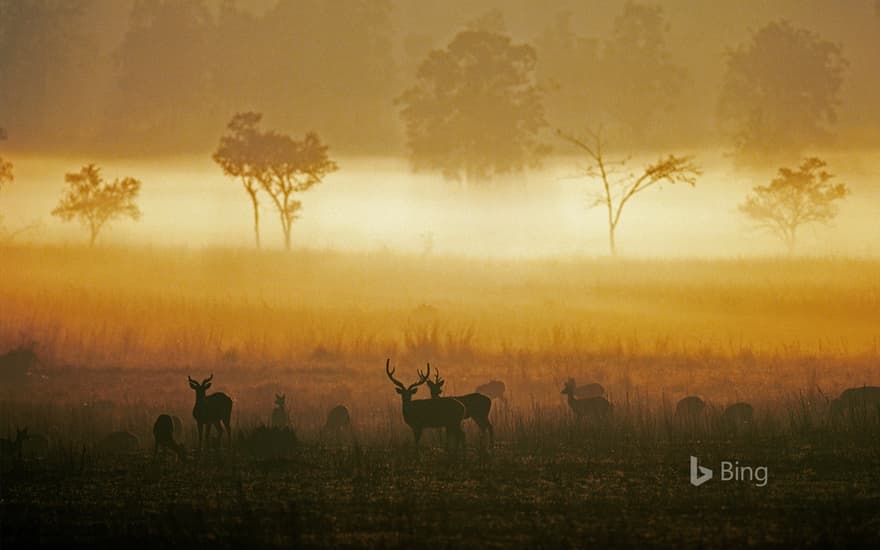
(794, 198)
(95, 202)
(475, 110)
(780, 91)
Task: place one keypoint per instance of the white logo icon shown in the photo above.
(699, 474)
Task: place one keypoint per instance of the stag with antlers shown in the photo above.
(429, 413)
(211, 410)
(477, 405)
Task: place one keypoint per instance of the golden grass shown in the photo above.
(723, 328)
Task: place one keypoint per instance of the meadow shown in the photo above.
(118, 330)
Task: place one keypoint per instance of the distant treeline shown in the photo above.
(162, 76)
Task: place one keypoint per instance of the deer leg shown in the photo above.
(201, 426)
(228, 433)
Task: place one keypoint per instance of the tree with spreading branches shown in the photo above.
(238, 158)
(287, 167)
(95, 202)
(794, 198)
(617, 185)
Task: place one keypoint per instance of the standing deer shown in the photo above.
(597, 408)
(211, 410)
(12, 449)
(477, 405)
(280, 418)
(429, 413)
(163, 436)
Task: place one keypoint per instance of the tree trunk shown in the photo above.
(285, 226)
(611, 244)
(791, 240)
(93, 237)
(256, 218)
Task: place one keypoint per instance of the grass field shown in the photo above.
(118, 330)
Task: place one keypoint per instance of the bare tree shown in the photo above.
(794, 198)
(619, 186)
(236, 156)
(95, 202)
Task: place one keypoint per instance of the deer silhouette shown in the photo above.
(280, 418)
(211, 410)
(690, 408)
(596, 408)
(163, 436)
(477, 405)
(589, 390)
(429, 413)
(338, 419)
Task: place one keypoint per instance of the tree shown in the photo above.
(238, 157)
(619, 186)
(641, 82)
(274, 163)
(794, 198)
(780, 91)
(287, 167)
(475, 110)
(95, 202)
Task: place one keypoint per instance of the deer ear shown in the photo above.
(415, 390)
(193, 385)
(207, 385)
(398, 390)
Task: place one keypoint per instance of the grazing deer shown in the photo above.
(737, 414)
(595, 408)
(494, 389)
(690, 409)
(429, 413)
(163, 436)
(12, 449)
(280, 418)
(211, 410)
(859, 400)
(119, 443)
(477, 405)
(589, 390)
(338, 419)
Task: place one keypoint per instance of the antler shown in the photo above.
(437, 376)
(208, 379)
(390, 372)
(424, 377)
(191, 380)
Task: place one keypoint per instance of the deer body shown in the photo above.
(589, 390)
(211, 410)
(338, 419)
(429, 413)
(597, 408)
(862, 400)
(477, 405)
(690, 408)
(163, 436)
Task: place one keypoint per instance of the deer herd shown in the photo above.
(588, 403)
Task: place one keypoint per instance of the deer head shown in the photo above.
(569, 387)
(279, 400)
(200, 388)
(406, 392)
(436, 386)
